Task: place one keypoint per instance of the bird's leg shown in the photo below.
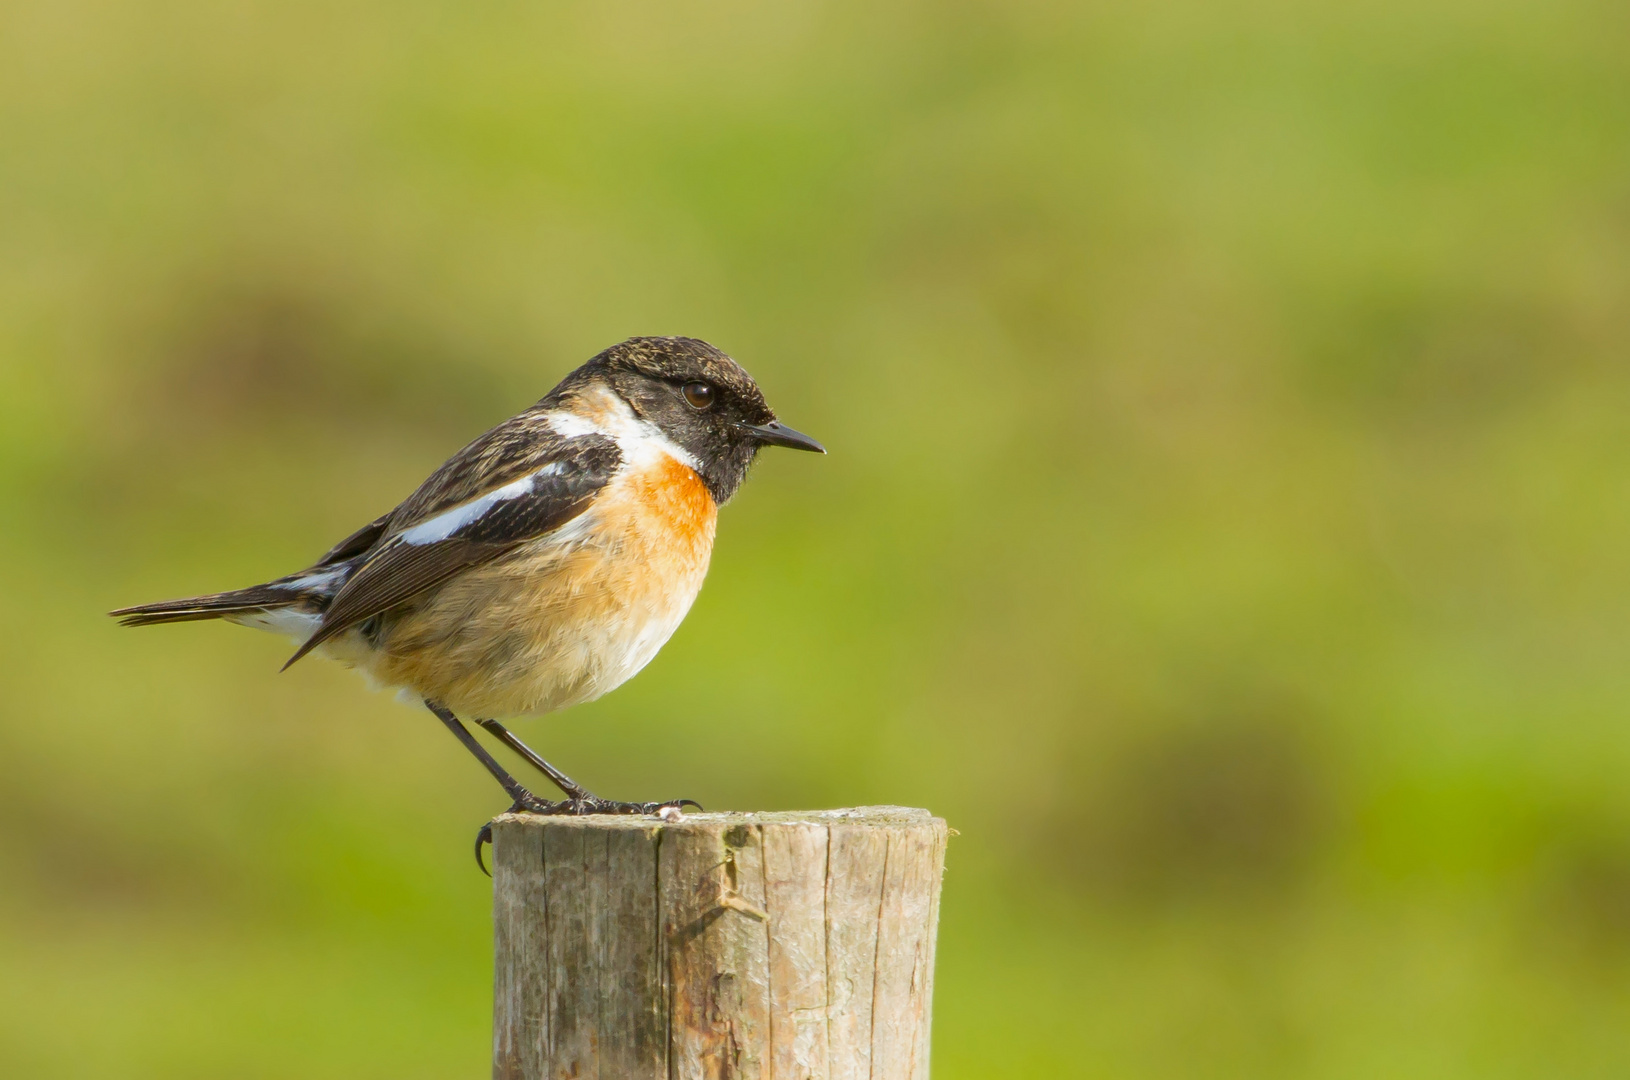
(579, 800)
(524, 799)
(565, 783)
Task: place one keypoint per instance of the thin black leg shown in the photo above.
(524, 799)
(579, 800)
(565, 783)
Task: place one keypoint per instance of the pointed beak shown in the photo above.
(775, 433)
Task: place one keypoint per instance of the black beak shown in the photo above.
(775, 433)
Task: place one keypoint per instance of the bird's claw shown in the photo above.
(672, 810)
(527, 803)
(482, 838)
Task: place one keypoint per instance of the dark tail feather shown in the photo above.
(210, 606)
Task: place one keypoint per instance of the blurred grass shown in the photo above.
(1226, 524)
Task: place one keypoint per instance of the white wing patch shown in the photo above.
(445, 524)
(319, 580)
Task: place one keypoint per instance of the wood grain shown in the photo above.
(719, 947)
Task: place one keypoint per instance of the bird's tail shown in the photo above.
(256, 598)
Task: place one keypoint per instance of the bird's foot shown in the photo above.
(586, 803)
(531, 804)
(578, 805)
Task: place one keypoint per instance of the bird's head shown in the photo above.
(699, 399)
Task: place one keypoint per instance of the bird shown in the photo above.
(541, 566)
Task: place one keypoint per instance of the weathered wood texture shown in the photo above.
(720, 947)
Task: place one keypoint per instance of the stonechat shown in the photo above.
(542, 565)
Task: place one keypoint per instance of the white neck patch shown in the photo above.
(603, 412)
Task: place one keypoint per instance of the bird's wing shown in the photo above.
(357, 543)
(517, 482)
(507, 452)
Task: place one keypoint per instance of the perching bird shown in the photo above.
(542, 565)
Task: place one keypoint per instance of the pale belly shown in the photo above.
(559, 621)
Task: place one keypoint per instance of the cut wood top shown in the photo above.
(876, 816)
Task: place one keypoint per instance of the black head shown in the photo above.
(700, 399)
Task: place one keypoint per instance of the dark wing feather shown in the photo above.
(358, 542)
(509, 451)
(396, 570)
(520, 445)
(209, 606)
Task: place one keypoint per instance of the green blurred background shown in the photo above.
(1227, 524)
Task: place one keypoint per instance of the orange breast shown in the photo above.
(676, 506)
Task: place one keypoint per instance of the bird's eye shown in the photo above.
(699, 395)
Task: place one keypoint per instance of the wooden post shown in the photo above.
(719, 947)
